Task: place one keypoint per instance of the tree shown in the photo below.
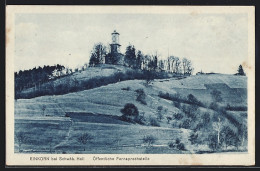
(229, 137)
(168, 119)
(149, 140)
(192, 99)
(141, 96)
(85, 138)
(240, 71)
(139, 60)
(205, 119)
(242, 132)
(130, 57)
(212, 142)
(187, 66)
(43, 107)
(186, 124)
(159, 112)
(21, 138)
(216, 96)
(130, 111)
(217, 127)
(193, 138)
(98, 54)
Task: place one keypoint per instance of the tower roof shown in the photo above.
(115, 32)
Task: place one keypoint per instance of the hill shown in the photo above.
(97, 111)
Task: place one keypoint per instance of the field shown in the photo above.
(53, 124)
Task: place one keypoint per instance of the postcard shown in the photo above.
(130, 85)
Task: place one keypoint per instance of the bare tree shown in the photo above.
(217, 127)
(97, 54)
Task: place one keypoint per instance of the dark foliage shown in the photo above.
(240, 71)
(33, 77)
(236, 108)
(178, 116)
(181, 147)
(154, 122)
(186, 124)
(193, 138)
(130, 112)
(127, 88)
(141, 96)
(216, 96)
(212, 142)
(149, 139)
(84, 138)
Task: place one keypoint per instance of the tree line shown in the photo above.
(135, 59)
(36, 76)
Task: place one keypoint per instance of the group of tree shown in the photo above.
(36, 76)
(137, 60)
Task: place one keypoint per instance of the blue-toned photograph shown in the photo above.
(131, 83)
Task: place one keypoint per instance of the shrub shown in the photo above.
(127, 88)
(193, 138)
(159, 112)
(130, 112)
(178, 116)
(216, 96)
(140, 120)
(154, 122)
(168, 119)
(181, 147)
(149, 139)
(213, 142)
(177, 141)
(205, 119)
(84, 138)
(186, 124)
(190, 111)
(141, 96)
(171, 144)
(214, 106)
(176, 104)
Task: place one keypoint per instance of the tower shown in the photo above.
(115, 46)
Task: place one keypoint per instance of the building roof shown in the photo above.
(115, 32)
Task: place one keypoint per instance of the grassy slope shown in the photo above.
(109, 100)
(91, 72)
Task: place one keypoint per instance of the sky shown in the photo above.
(213, 42)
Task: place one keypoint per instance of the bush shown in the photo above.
(186, 124)
(141, 96)
(177, 145)
(149, 139)
(193, 138)
(181, 147)
(154, 122)
(216, 96)
(214, 106)
(130, 112)
(213, 142)
(127, 88)
(171, 145)
(176, 104)
(178, 116)
(159, 112)
(190, 111)
(84, 138)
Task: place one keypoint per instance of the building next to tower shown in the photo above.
(115, 57)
